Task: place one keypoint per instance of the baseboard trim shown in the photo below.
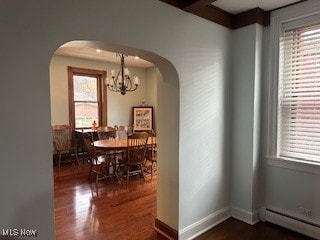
(203, 225)
(262, 214)
(244, 215)
(165, 230)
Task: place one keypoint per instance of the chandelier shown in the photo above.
(121, 82)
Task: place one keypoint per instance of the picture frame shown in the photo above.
(142, 118)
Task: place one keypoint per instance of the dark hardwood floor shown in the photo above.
(233, 229)
(118, 212)
(113, 212)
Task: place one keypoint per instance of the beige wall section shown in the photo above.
(119, 107)
(151, 93)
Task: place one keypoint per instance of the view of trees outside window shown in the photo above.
(85, 100)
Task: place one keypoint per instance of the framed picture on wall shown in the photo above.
(142, 118)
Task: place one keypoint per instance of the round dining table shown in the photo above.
(117, 143)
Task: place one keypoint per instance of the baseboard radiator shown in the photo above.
(298, 225)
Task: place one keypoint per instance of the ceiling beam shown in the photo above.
(175, 3)
(194, 5)
(255, 15)
(215, 14)
(219, 16)
(204, 9)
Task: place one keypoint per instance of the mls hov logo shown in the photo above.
(16, 232)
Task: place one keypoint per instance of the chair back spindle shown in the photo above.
(135, 154)
(106, 132)
(136, 147)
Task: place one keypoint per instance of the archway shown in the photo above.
(167, 112)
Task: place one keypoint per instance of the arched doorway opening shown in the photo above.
(167, 121)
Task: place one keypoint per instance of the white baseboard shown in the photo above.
(284, 220)
(215, 218)
(262, 214)
(245, 216)
(204, 224)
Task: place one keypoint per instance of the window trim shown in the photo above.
(102, 93)
(300, 14)
(293, 164)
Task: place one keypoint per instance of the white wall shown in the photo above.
(151, 86)
(204, 123)
(119, 107)
(247, 50)
(193, 123)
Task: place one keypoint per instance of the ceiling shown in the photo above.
(73, 49)
(229, 13)
(238, 6)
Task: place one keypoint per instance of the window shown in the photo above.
(298, 135)
(87, 97)
(294, 97)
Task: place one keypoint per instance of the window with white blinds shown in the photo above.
(298, 134)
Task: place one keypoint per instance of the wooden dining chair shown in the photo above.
(99, 164)
(124, 131)
(134, 160)
(64, 143)
(151, 154)
(106, 132)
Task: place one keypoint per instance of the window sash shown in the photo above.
(298, 134)
(101, 94)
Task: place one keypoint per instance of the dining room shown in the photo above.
(212, 121)
(82, 100)
(117, 108)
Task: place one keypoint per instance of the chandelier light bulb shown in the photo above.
(113, 73)
(126, 72)
(136, 80)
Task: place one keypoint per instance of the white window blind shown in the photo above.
(299, 94)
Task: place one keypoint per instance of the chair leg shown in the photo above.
(113, 164)
(128, 170)
(108, 166)
(76, 156)
(141, 172)
(59, 163)
(153, 165)
(97, 178)
(90, 172)
(151, 170)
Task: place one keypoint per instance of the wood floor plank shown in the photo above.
(113, 212)
(233, 229)
(118, 212)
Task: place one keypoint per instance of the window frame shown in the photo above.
(101, 94)
(299, 15)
